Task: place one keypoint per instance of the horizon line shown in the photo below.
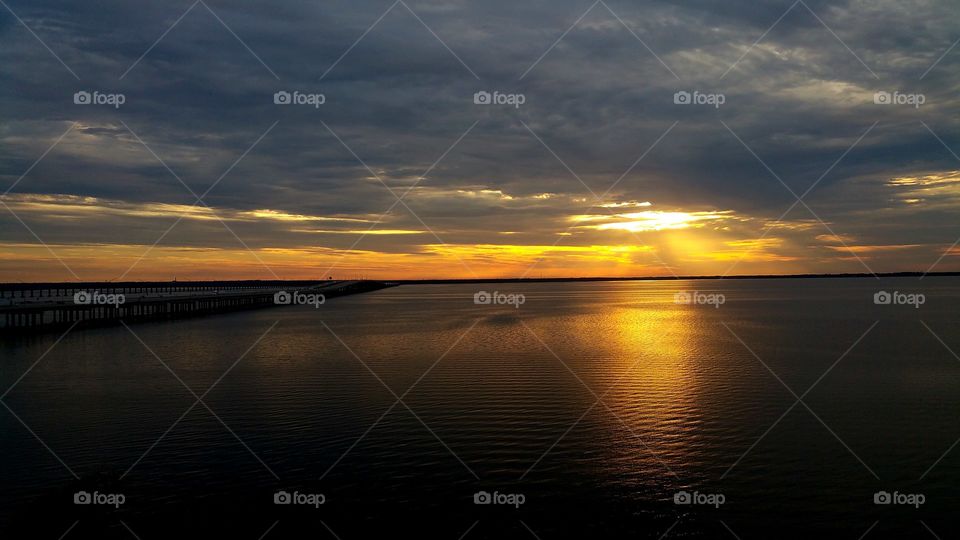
(426, 281)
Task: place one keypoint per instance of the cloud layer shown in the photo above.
(652, 138)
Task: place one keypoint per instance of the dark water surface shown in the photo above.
(501, 399)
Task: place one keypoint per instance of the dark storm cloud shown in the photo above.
(599, 99)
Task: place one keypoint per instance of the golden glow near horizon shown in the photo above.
(651, 220)
(933, 189)
(627, 238)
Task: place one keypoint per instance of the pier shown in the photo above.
(26, 307)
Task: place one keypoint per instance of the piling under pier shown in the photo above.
(35, 307)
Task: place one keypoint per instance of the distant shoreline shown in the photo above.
(671, 278)
(306, 283)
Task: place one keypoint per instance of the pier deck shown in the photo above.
(45, 306)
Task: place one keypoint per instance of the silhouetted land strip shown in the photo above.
(673, 278)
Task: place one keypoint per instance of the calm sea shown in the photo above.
(776, 408)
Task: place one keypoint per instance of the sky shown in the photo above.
(403, 139)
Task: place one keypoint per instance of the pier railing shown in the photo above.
(41, 306)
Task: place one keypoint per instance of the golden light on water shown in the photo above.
(651, 374)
